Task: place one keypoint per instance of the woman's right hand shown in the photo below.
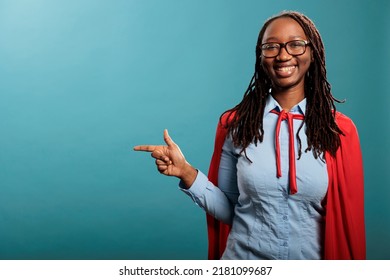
(170, 160)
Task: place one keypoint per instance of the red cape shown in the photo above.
(344, 203)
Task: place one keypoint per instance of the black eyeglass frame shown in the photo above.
(284, 45)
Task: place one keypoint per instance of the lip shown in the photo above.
(284, 70)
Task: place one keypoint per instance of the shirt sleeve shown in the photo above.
(217, 201)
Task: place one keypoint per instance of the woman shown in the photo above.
(288, 166)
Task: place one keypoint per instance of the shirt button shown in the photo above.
(285, 218)
(285, 244)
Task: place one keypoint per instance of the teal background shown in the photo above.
(82, 82)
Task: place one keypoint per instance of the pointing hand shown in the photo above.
(170, 160)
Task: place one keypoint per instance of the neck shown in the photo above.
(288, 98)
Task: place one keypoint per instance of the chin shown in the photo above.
(284, 85)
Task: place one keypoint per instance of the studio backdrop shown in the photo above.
(83, 81)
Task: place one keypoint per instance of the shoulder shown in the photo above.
(223, 126)
(345, 123)
(226, 118)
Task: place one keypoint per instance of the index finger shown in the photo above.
(145, 148)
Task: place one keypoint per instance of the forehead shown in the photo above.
(283, 29)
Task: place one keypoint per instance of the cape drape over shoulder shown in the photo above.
(344, 202)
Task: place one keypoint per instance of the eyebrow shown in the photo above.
(274, 39)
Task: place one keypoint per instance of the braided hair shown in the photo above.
(246, 118)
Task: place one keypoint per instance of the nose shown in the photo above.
(283, 54)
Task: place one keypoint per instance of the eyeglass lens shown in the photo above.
(296, 47)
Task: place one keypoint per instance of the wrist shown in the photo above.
(188, 175)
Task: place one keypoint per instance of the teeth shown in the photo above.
(286, 69)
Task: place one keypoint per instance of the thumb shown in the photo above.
(168, 140)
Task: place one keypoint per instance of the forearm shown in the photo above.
(209, 198)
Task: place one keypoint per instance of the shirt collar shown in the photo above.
(271, 104)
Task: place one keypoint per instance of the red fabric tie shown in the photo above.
(283, 115)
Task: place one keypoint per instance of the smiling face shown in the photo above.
(286, 71)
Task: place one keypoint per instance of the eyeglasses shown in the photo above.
(295, 47)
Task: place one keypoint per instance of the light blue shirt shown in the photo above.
(267, 222)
